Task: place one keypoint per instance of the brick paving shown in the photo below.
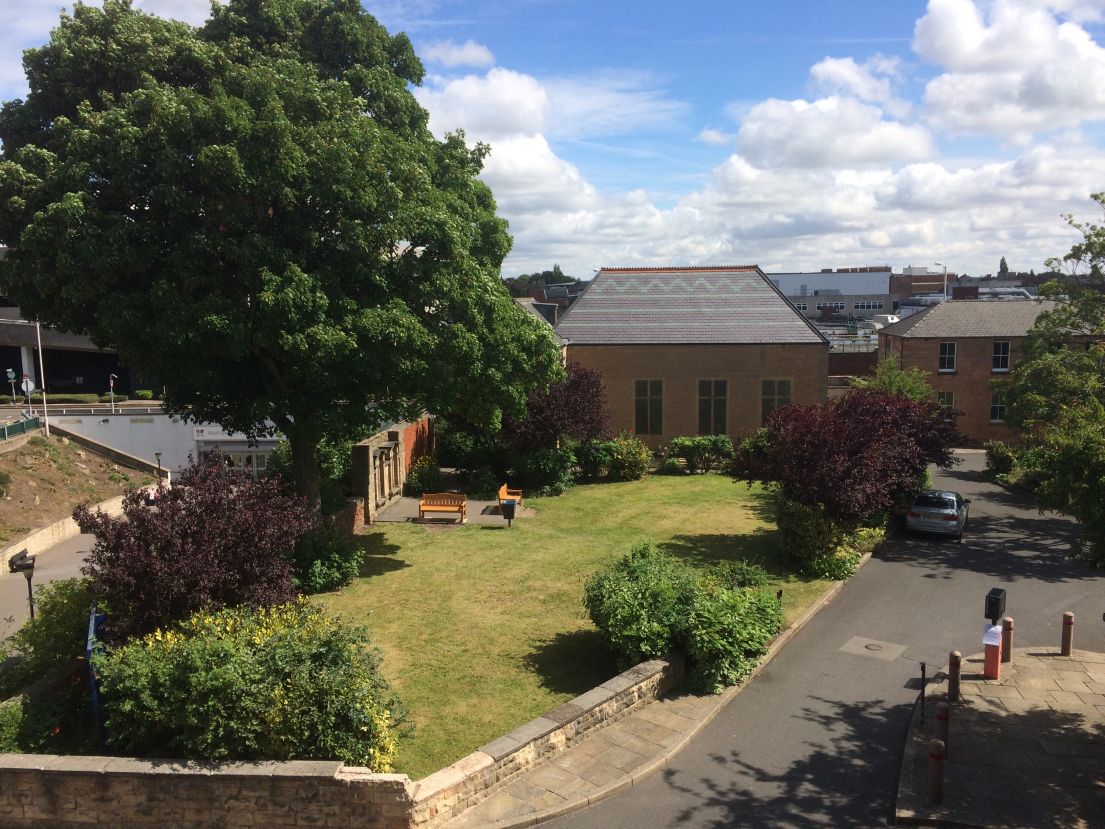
(1024, 751)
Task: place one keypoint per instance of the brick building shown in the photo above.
(964, 345)
(694, 350)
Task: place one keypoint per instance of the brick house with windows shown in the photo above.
(694, 350)
(964, 345)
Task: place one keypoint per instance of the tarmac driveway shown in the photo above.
(816, 738)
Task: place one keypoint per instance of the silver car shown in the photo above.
(938, 511)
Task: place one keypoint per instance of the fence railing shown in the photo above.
(20, 427)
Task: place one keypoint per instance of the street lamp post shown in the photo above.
(158, 456)
(11, 380)
(111, 389)
(945, 267)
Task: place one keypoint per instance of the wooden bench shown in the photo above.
(444, 502)
(514, 495)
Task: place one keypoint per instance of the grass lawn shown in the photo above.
(483, 628)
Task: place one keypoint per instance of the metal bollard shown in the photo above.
(1007, 639)
(955, 667)
(936, 771)
(940, 725)
(1068, 634)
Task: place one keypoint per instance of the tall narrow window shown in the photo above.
(649, 407)
(711, 407)
(946, 399)
(997, 406)
(947, 357)
(773, 394)
(1001, 355)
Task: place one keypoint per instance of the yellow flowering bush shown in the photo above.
(279, 683)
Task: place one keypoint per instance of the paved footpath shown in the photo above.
(815, 739)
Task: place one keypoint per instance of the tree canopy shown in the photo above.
(256, 212)
(1056, 392)
(521, 285)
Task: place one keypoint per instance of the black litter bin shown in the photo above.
(507, 508)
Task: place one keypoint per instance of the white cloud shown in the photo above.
(609, 103)
(865, 82)
(500, 103)
(1013, 68)
(831, 131)
(194, 12)
(450, 54)
(709, 135)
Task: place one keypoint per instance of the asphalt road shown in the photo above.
(61, 561)
(815, 739)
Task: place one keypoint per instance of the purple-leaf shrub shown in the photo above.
(853, 456)
(212, 541)
(574, 408)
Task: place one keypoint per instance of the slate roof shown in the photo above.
(964, 318)
(684, 305)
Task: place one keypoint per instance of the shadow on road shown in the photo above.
(860, 740)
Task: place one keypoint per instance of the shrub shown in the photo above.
(738, 574)
(594, 457)
(212, 541)
(67, 398)
(324, 560)
(5, 483)
(482, 483)
(57, 635)
(807, 531)
(1001, 458)
(702, 452)
(573, 408)
(545, 471)
(840, 563)
(54, 718)
(671, 466)
(118, 398)
(453, 445)
(651, 603)
(423, 476)
(280, 683)
(630, 458)
(144, 394)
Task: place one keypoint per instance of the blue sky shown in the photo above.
(796, 135)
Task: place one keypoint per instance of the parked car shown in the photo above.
(938, 511)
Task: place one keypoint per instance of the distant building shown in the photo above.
(841, 294)
(547, 311)
(964, 345)
(694, 350)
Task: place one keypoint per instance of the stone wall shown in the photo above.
(124, 793)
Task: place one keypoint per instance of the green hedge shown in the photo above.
(702, 453)
(54, 639)
(282, 683)
(66, 398)
(650, 603)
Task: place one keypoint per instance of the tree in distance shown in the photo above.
(256, 212)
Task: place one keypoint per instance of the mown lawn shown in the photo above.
(483, 628)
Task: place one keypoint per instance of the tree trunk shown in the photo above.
(305, 471)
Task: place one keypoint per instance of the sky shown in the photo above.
(792, 135)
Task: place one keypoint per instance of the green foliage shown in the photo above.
(594, 457)
(324, 560)
(671, 466)
(737, 574)
(454, 445)
(423, 476)
(57, 635)
(68, 398)
(650, 603)
(630, 458)
(5, 483)
(54, 717)
(545, 471)
(1000, 457)
(702, 453)
(840, 563)
(891, 378)
(284, 683)
(482, 483)
(807, 530)
(118, 398)
(144, 394)
(263, 194)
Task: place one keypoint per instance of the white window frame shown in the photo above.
(946, 361)
(997, 356)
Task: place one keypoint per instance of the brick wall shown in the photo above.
(681, 367)
(852, 363)
(970, 382)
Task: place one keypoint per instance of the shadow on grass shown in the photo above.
(760, 547)
(572, 663)
(378, 555)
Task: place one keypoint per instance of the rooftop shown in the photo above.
(717, 304)
(972, 318)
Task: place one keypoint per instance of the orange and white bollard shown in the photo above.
(936, 771)
(991, 640)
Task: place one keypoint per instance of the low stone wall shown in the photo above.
(124, 793)
(55, 533)
(448, 792)
(113, 793)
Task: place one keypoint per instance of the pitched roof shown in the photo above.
(683, 305)
(972, 318)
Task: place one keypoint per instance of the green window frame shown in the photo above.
(649, 407)
(712, 406)
(774, 392)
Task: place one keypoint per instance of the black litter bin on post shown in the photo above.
(507, 509)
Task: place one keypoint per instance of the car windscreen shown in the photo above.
(934, 502)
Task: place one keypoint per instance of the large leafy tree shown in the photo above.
(1057, 390)
(256, 212)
